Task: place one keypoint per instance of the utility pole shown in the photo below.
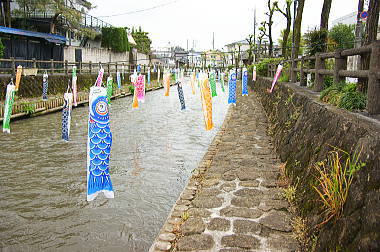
(213, 41)
(292, 77)
(254, 31)
(359, 25)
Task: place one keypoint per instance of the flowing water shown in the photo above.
(43, 179)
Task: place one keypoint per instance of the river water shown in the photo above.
(43, 179)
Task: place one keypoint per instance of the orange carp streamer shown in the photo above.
(135, 103)
(167, 83)
(206, 103)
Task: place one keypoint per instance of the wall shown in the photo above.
(304, 129)
(95, 55)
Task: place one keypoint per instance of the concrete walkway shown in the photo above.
(233, 202)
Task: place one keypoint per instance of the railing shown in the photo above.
(9, 66)
(340, 72)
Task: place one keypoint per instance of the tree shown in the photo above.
(65, 9)
(369, 37)
(297, 27)
(343, 35)
(359, 25)
(251, 43)
(142, 40)
(285, 33)
(324, 26)
(271, 10)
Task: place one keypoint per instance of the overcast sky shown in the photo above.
(183, 20)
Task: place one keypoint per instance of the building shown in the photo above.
(212, 58)
(234, 50)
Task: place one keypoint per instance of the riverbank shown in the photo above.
(233, 200)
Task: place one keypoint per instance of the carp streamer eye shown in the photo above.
(101, 108)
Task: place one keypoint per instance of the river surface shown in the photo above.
(43, 179)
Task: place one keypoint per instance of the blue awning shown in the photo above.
(53, 38)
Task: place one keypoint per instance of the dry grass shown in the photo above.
(335, 176)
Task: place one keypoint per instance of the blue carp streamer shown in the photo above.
(180, 95)
(66, 115)
(98, 145)
(244, 82)
(232, 88)
(45, 85)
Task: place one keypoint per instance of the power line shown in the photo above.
(142, 10)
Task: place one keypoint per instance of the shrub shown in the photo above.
(262, 66)
(353, 100)
(344, 96)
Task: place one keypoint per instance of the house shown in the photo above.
(235, 51)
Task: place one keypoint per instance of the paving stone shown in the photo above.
(193, 226)
(181, 208)
(245, 202)
(241, 241)
(245, 226)
(174, 221)
(208, 192)
(168, 228)
(241, 212)
(176, 214)
(195, 242)
(253, 183)
(283, 242)
(207, 202)
(232, 250)
(229, 175)
(167, 237)
(267, 205)
(219, 224)
(199, 212)
(183, 202)
(210, 182)
(274, 193)
(277, 220)
(244, 175)
(163, 246)
(228, 186)
(187, 196)
(248, 192)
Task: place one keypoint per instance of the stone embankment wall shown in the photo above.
(304, 130)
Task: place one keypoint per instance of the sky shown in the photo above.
(184, 22)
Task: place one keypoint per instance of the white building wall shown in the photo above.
(95, 55)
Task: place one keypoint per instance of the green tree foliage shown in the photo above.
(142, 40)
(315, 41)
(67, 9)
(343, 35)
(115, 38)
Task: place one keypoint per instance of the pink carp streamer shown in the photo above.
(99, 80)
(140, 88)
(278, 73)
(254, 73)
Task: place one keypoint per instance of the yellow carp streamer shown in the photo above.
(206, 102)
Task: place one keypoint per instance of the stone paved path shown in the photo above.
(233, 202)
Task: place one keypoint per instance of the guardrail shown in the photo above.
(340, 72)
